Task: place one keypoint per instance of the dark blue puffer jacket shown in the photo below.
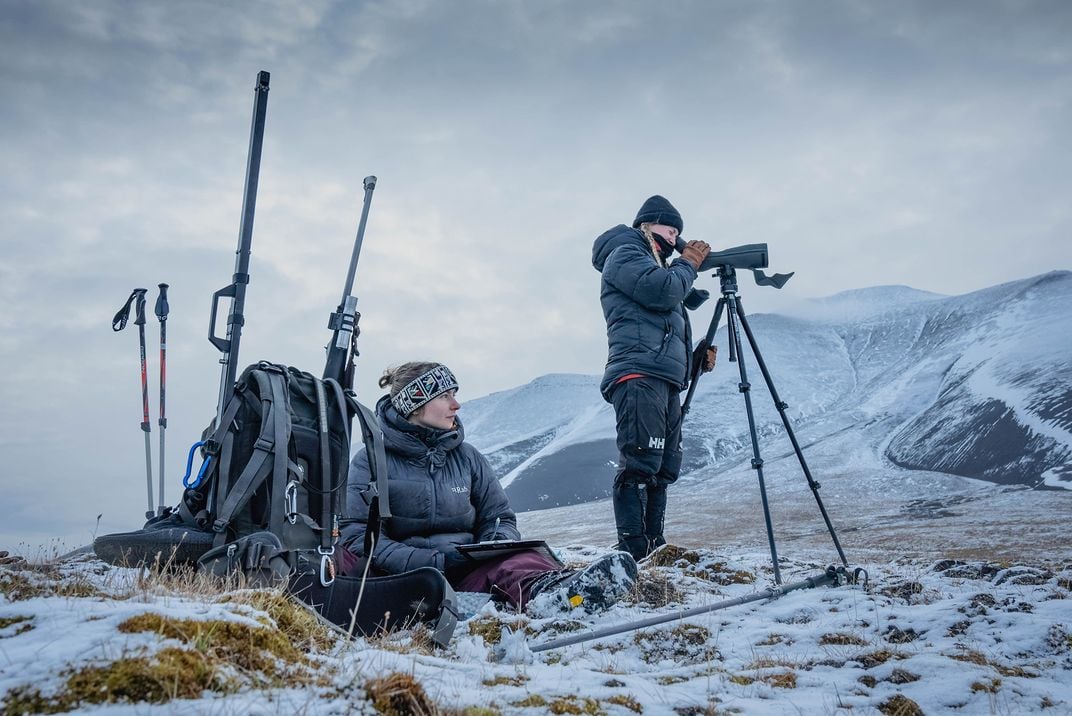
(442, 493)
(648, 331)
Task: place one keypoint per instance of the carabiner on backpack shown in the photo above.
(290, 499)
(186, 481)
(327, 565)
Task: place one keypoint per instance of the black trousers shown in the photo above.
(648, 415)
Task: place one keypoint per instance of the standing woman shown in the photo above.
(443, 493)
(644, 296)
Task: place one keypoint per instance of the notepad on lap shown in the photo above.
(501, 548)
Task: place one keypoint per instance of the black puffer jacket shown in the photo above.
(648, 331)
(442, 493)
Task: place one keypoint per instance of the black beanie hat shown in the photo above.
(657, 210)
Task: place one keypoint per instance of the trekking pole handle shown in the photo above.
(119, 321)
(139, 307)
(162, 307)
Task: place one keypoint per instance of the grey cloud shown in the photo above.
(868, 143)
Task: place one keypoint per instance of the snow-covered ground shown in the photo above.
(922, 637)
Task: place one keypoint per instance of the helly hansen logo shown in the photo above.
(656, 443)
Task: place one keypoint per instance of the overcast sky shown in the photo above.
(868, 143)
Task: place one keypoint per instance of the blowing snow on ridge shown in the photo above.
(978, 385)
(896, 395)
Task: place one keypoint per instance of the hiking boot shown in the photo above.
(595, 588)
(165, 539)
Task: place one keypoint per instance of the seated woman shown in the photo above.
(443, 493)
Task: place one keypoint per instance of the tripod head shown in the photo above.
(725, 264)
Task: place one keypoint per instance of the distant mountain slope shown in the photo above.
(978, 385)
(1003, 409)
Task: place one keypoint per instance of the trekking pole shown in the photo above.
(344, 321)
(236, 290)
(161, 315)
(836, 576)
(137, 297)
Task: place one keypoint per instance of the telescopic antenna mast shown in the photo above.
(343, 321)
(236, 290)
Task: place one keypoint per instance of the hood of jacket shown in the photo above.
(613, 238)
(417, 442)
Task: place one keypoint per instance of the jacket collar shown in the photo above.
(416, 441)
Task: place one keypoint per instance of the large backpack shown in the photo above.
(277, 462)
(266, 503)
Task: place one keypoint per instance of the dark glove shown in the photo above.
(452, 559)
(696, 298)
(704, 357)
(695, 252)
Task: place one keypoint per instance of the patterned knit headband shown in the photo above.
(423, 389)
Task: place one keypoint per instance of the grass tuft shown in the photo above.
(657, 589)
(841, 639)
(261, 652)
(398, 694)
(900, 705)
(25, 624)
(532, 701)
(171, 673)
(570, 705)
(686, 643)
(294, 621)
(502, 680)
(627, 702)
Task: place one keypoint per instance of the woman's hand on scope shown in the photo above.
(695, 252)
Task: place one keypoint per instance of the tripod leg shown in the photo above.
(757, 461)
(781, 406)
(709, 340)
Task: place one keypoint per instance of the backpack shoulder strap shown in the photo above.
(256, 470)
(327, 511)
(280, 425)
(372, 437)
(379, 498)
(342, 470)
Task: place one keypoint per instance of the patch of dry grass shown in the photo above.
(217, 655)
(171, 673)
(398, 694)
(900, 705)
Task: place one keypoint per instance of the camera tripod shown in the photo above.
(731, 305)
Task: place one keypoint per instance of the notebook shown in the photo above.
(501, 548)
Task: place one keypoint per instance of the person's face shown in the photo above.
(667, 232)
(438, 412)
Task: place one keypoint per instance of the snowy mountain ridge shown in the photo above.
(978, 385)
